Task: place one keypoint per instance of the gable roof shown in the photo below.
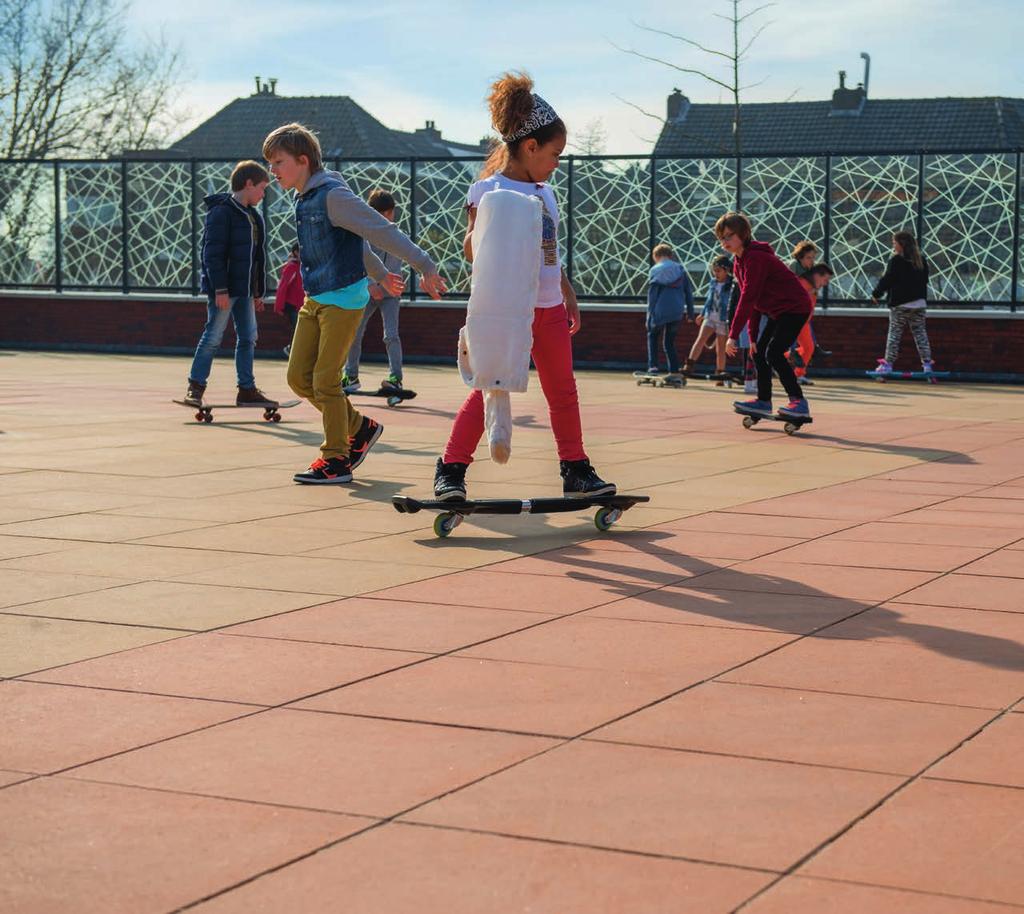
(345, 129)
(884, 125)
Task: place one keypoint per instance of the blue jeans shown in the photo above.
(653, 333)
(243, 314)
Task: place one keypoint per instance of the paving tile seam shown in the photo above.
(877, 805)
(608, 741)
(99, 688)
(932, 777)
(220, 631)
(972, 609)
(916, 701)
(6, 611)
(1010, 906)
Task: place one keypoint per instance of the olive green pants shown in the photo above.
(323, 336)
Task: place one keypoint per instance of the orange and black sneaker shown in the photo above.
(333, 471)
(361, 442)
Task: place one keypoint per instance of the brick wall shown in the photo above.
(974, 346)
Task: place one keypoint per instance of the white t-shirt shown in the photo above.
(549, 292)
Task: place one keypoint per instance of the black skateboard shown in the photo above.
(929, 376)
(661, 379)
(792, 423)
(452, 513)
(204, 413)
(726, 376)
(392, 395)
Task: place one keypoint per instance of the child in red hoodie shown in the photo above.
(768, 288)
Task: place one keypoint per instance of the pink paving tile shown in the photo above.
(909, 556)
(768, 524)
(816, 728)
(319, 761)
(995, 505)
(1006, 563)
(768, 575)
(643, 648)
(503, 590)
(992, 757)
(970, 591)
(50, 727)
(927, 534)
(519, 697)
(852, 506)
(821, 896)
(936, 836)
(429, 627)
(885, 671)
(704, 545)
(1012, 523)
(70, 847)
(405, 869)
(689, 605)
(995, 638)
(230, 668)
(710, 808)
(578, 563)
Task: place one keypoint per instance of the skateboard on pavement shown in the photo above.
(393, 395)
(792, 425)
(929, 376)
(204, 413)
(452, 513)
(661, 379)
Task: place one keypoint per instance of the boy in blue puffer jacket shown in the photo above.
(234, 280)
(669, 297)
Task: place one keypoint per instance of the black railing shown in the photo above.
(135, 225)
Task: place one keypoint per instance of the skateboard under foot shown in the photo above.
(792, 424)
(392, 395)
(452, 513)
(661, 379)
(930, 376)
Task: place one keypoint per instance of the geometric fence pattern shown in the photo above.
(136, 225)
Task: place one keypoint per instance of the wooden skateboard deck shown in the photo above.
(204, 413)
(929, 376)
(451, 513)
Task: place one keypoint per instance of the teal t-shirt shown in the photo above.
(351, 298)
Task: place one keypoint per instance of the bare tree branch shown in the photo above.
(754, 12)
(673, 66)
(711, 141)
(653, 31)
(754, 38)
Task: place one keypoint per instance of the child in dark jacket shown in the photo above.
(669, 296)
(234, 280)
(905, 283)
(769, 288)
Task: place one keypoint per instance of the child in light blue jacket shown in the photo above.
(669, 297)
(714, 319)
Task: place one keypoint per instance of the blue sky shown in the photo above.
(407, 61)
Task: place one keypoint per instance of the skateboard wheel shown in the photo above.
(276, 417)
(445, 523)
(394, 401)
(200, 416)
(749, 422)
(208, 417)
(790, 428)
(605, 517)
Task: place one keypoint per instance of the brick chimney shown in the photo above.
(678, 107)
(847, 102)
(429, 131)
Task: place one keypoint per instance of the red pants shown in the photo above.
(804, 348)
(552, 356)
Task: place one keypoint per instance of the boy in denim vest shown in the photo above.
(332, 223)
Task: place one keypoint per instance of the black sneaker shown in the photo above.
(194, 396)
(363, 440)
(580, 480)
(450, 481)
(322, 472)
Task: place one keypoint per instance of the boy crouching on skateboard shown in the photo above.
(331, 223)
(769, 288)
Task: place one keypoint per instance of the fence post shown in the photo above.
(652, 226)
(920, 200)
(826, 242)
(58, 278)
(1015, 268)
(194, 276)
(124, 227)
(739, 184)
(571, 230)
(413, 228)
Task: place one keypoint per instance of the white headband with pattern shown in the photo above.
(541, 115)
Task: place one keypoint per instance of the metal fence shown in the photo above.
(136, 225)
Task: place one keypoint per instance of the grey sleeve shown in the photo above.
(346, 210)
(372, 263)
